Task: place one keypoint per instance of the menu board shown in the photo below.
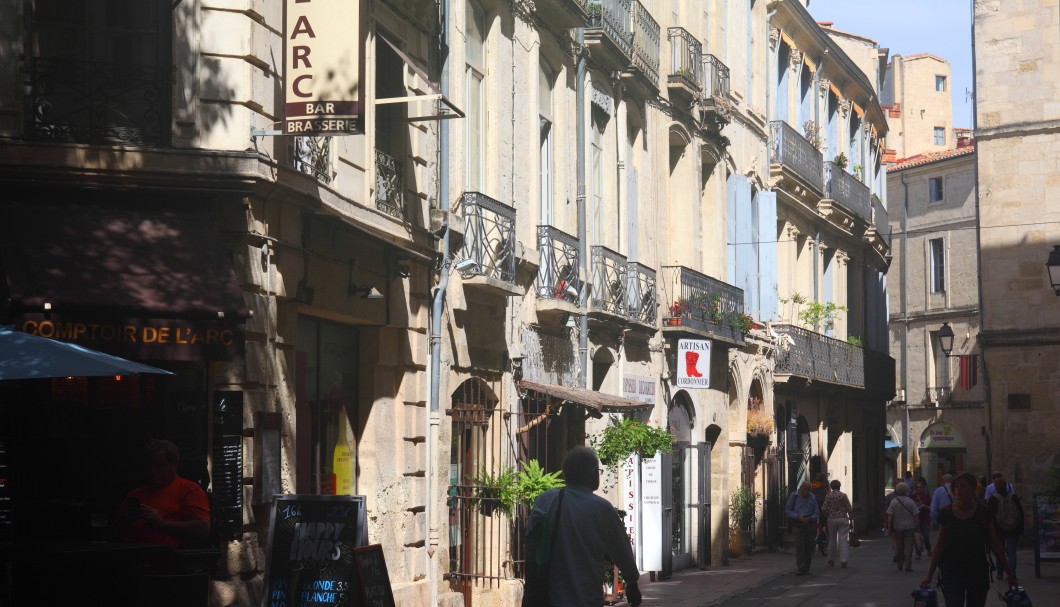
(228, 462)
(1047, 529)
(373, 581)
(310, 559)
(7, 520)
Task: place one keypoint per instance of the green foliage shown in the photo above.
(818, 314)
(840, 160)
(759, 423)
(742, 508)
(532, 481)
(742, 323)
(625, 437)
(855, 340)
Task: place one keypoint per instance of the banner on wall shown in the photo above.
(693, 363)
(323, 67)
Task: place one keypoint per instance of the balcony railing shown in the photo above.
(811, 355)
(938, 394)
(881, 219)
(847, 192)
(489, 237)
(312, 156)
(685, 56)
(614, 17)
(701, 302)
(646, 37)
(641, 298)
(97, 102)
(715, 78)
(389, 185)
(793, 152)
(609, 281)
(557, 276)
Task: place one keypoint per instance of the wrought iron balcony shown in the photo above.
(389, 185)
(641, 299)
(881, 219)
(646, 39)
(810, 355)
(610, 32)
(557, 276)
(847, 192)
(610, 282)
(794, 155)
(312, 156)
(939, 395)
(701, 304)
(489, 239)
(97, 102)
(685, 58)
(715, 79)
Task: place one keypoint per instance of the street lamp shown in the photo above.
(946, 339)
(1053, 265)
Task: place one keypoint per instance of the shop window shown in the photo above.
(326, 384)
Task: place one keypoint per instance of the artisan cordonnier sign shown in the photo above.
(323, 67)
(693, 363)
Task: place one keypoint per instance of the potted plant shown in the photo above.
(742, 515)
(796, 300)
(821, 314)
(627, 436)
(492, 492)
(742, 323)
(532, 481)
(678, 309)
(759, 422)
(840, 160)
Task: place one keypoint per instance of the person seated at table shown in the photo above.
(169, 509)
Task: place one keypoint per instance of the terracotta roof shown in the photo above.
(921, 159)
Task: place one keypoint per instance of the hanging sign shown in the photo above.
(693, 363)
(651, 518)
(323, 67)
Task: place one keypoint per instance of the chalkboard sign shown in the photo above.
(373, 580)
(310, 558)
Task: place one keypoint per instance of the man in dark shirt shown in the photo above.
(803, 512)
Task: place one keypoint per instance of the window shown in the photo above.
(475, 72)
(544, 102)
(940, 84)
(326, 364)
(940, 135)
(935, 189)
(1019, 401)
(938, 264)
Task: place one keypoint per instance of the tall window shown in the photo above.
(938, 264)
(940, 135)
(326, 364)
(544, 102)
(599, 231)
(940, 84)
(475, 73)
(934, 189)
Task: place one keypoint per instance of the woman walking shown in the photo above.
(837, 511)
(964, 527)
(902, 520)
(922, 498)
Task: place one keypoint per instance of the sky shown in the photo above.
(909, 27)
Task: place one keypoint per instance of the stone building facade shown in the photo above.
(551, 204)
(932, 197)
(917, 95)
(1017, 131)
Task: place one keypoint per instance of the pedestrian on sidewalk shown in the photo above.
(1007, 511)
(942, 497)
(964, 528)
(902, 519)
(837, 511)
(586, 528)
(922, 498)
(803, 514)
(819, 489)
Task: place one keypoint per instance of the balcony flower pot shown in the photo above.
(673, 321)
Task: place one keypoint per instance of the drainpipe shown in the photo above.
(435, 354)
(905, 317)
(583, 247)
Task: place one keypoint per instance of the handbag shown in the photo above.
(539, 559)
(918, 540)
(852, 538)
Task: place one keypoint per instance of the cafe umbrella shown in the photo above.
(25, 356)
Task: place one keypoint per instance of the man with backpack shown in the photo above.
(1008, 516)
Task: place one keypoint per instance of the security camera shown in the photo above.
(464, 265)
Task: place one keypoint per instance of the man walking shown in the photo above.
(586, 528)
(942, 497)
(802, 512)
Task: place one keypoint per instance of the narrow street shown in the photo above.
(870, 580)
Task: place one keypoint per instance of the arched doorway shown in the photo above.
(942, 450)
(677, 487)
(476, 453)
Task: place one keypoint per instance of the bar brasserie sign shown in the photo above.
(323, 67)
